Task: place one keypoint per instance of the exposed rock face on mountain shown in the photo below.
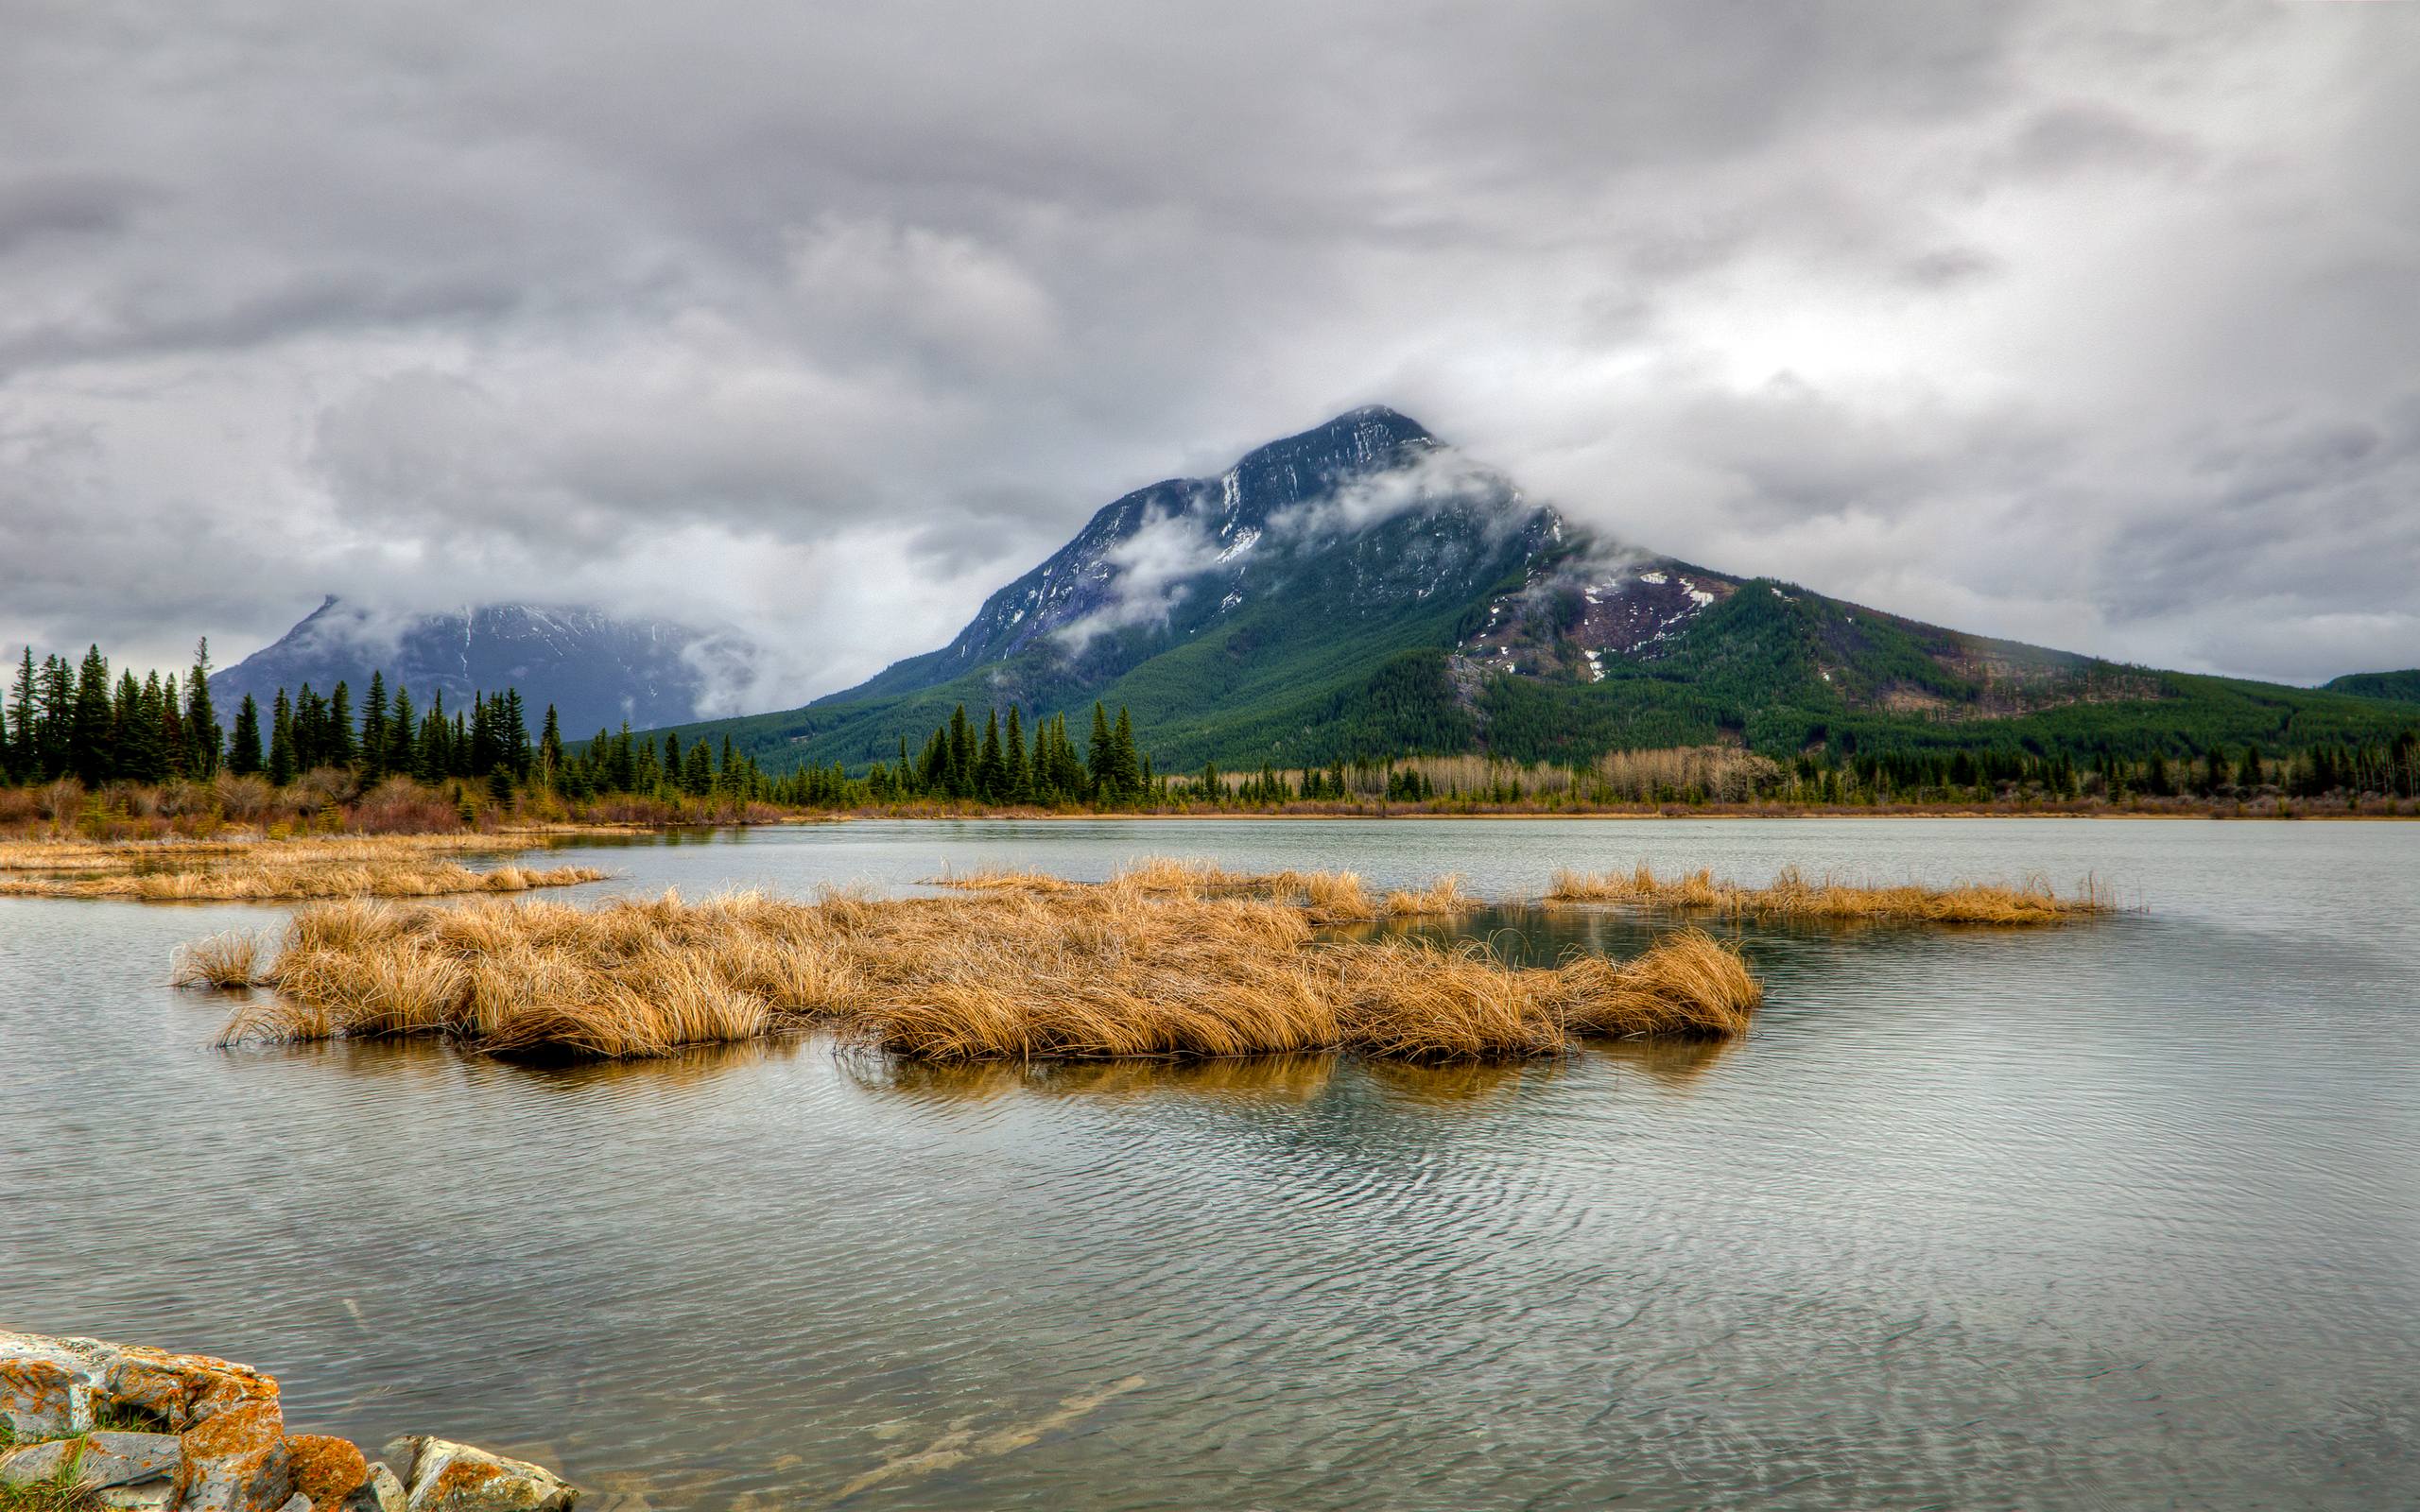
(595, 670)
(1362, 587)
(1368, 515)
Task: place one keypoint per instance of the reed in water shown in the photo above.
(1136, 967)
(1794, 895)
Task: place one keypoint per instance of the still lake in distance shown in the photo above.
(2122, 1214)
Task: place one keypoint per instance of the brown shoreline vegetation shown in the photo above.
(1324, 897)
(1794, 895)
(1163, 962)
(256, 868)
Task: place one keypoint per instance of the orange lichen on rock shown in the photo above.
(325, 1470)
(183, 1389)
(235, 1458)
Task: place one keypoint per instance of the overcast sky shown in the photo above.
(2094, 325)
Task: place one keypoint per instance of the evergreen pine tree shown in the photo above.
(402, 727)
(339, 750)
(990, 767)
(483, 753)
(430, 758)
(1017, 786)
(177, 761)
(301, 730)
(373, 729)
(512, 733)
(962, 754)
(55, 739)
(202, 735)
(550, 749)
(1100, 755)
(89, 726)
(134, 737)
(932, 767)
(1126, 767)
(621, 767)
(244, 753)
(23, 717)
(281, 739)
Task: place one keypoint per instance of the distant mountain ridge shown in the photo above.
(1364, 589)
(597, 670)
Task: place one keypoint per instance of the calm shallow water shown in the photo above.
(2123, 1215)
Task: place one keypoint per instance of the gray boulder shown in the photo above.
(447, 1476)
(36, 1462)
(381, 1492)
(47, 1385)
(129, 1459)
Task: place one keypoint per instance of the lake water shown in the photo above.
(2122, 1215)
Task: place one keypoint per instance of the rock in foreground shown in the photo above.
(220, 1443)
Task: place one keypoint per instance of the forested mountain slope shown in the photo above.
(1363, 590)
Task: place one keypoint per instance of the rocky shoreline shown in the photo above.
(141, 1430)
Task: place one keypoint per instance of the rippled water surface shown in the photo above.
(2124, 1216)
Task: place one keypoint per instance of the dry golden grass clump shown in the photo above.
(261, 869)
(1006, 974)
(1793, 895)
(1325, 897)
(227, 960)
(1442, 898)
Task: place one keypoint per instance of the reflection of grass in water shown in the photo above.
(1464, 1083)
(1284, 1079)
(1673, 1062)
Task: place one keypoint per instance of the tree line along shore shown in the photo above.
(87, 750)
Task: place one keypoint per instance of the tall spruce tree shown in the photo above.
(177, 755)
(1100, 755)
(243, 750)
(512, 733)
(1126, 767)
(282, 765)
(1018, 785)
(991, 766)
(89, 726)
(135, 733)
(338, 748)
(373, 729)
(202, 735)
(403, 728)
(25, 716)
(962, 754)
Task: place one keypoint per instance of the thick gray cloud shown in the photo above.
(2089, 324)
